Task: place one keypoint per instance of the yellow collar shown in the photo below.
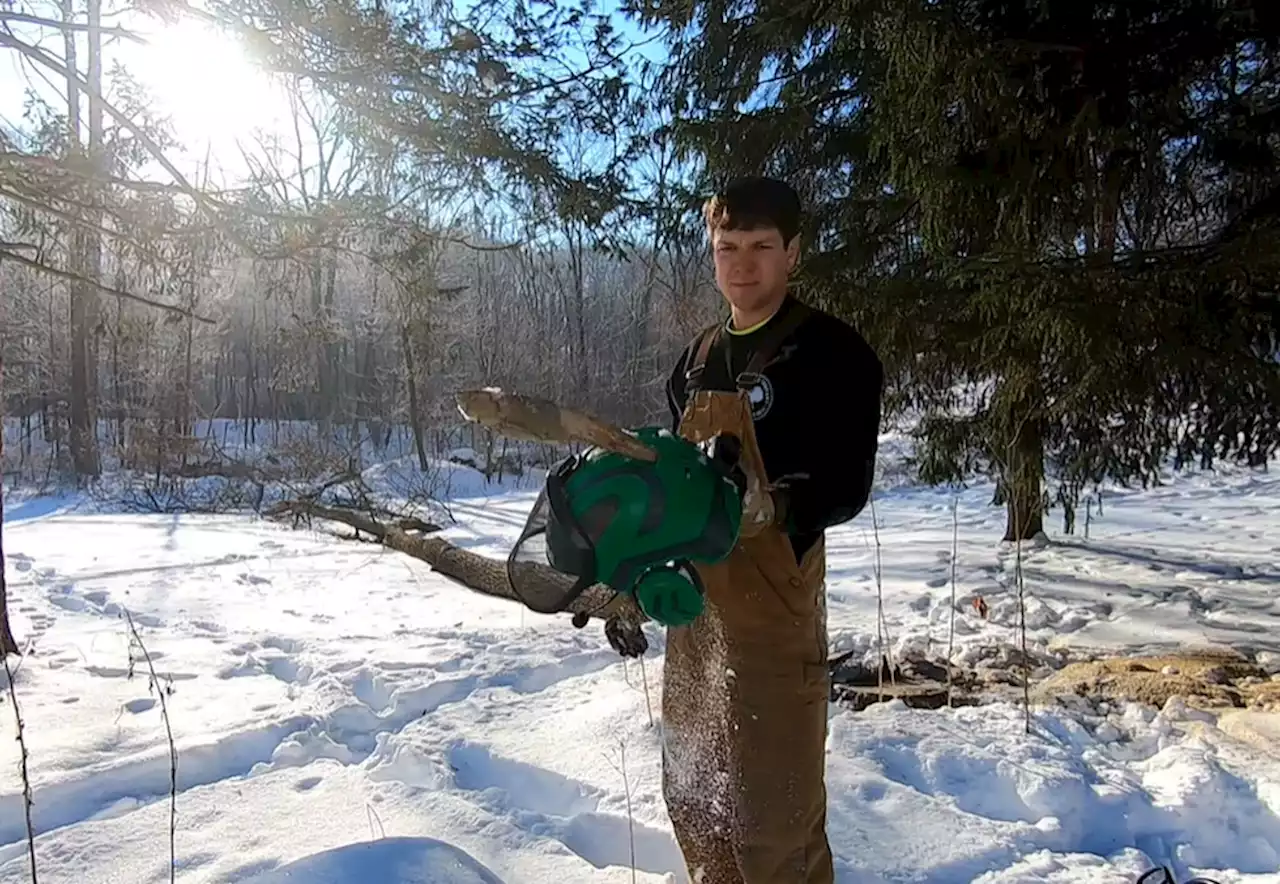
(728, 325)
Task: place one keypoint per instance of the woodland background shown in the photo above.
(1056, 222)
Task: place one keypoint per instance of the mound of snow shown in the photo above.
(388, 861)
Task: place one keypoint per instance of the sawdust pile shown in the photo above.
(1211, 678)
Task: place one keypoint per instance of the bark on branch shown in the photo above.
(476, 572)
(541, 420)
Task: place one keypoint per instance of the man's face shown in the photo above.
(752, 266)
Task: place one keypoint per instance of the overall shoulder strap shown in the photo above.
(705, 341)
(775, 336)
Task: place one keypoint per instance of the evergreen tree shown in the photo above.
(1057, 220)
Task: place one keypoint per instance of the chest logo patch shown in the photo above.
(759, 390)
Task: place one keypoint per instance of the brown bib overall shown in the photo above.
(745, 692)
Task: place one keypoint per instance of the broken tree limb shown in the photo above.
(475, 572)
(541, 420)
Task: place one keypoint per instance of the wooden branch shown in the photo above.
(63, 167)
(6, 252)
(475, 572)
(540, 420)
(201, 198)
(35, 53)
(116, 31)
(71, 218)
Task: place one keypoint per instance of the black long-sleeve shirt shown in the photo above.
(816, 414)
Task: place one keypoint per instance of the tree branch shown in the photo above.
(117, 31)
(122, 119)
(71, 218)
(476, 572)
(105, 289)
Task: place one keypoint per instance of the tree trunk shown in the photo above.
(371, 398)
(1023, 479)
(411, 383)
(251, 380)
(8, 645)
(187, 427)
(116, 385)
(333, 404)
(84, 258)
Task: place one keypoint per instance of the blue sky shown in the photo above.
(204, 82)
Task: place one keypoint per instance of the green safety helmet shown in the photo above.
(639, 527)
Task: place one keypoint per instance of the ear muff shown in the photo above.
(671, 595)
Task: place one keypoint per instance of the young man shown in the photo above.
(746, 686)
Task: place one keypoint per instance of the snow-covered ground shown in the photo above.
(343, 715)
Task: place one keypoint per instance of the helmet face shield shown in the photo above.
(570, 549)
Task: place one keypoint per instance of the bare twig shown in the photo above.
(9, 645)
(882, 627)
(648, 702)
(1018, 527)
(26, 19)
(373, 817)
(173, 749)
(626, 787)
(951, 632)
(22, 749)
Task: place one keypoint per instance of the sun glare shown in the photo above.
(212, 93)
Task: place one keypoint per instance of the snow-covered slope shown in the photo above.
(343, 715)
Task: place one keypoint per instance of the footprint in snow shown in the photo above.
(247, 579)
(536, 796)
(118, 672)
(68, 602)
(140, 705)
(306, 784)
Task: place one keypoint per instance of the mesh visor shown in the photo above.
(553, 561)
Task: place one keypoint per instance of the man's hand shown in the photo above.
(626, 636)
(623, 625)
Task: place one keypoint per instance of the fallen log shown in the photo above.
(477, 573)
